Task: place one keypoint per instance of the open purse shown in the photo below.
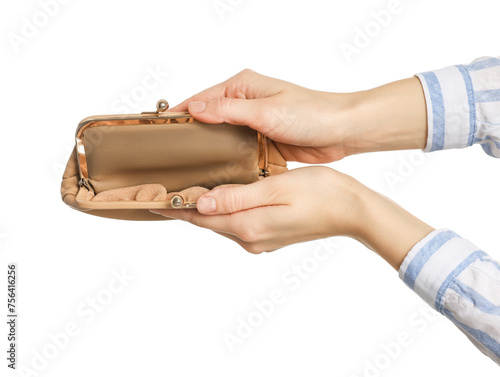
(123, 165)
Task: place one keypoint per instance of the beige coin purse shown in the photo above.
(123, 165)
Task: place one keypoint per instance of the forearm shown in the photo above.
(451, 274)
(389, 117)
(452, 107)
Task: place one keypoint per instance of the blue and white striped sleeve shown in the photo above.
(461, 282)
(463, 106)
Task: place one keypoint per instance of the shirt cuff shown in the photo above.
(449, 97)
(435, 262)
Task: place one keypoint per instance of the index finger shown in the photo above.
(205, 95)
(246, 84)
(221, 223)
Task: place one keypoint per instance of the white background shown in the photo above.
(190, 286)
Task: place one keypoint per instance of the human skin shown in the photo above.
(312, 127)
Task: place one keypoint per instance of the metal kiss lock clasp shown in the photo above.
(161, 106)
(177, 201)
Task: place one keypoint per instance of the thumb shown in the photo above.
(247, 112)
(234, 198)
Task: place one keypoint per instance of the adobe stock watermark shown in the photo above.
(222, 7)
(405, 169)
(241, 151)
(364, 35)
(292, 280)
(137, 94)
(457, 117)
(86, 311)
(392, 349)
(32, 25)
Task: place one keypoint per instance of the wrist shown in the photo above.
(387, 228)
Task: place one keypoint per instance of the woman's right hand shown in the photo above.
(316, 127)
(299, 120)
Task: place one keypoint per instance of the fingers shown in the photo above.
(224, 89)
(252, 248)
(241, 225)
(212, 92)
(238, 111)
(224, 223)
(244, 228)
(214, 104)
(310, 155)
(231, 199)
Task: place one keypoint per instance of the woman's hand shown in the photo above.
(312, 126)
(295, 206)
(299, 120)
(305, 204)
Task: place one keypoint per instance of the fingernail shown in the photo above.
(154, 211)
(197, 107)
(206, 204)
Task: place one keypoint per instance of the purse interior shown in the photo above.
(146, 165)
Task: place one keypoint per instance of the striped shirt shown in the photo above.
(448, 272)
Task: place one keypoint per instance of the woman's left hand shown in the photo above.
(295, 206)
